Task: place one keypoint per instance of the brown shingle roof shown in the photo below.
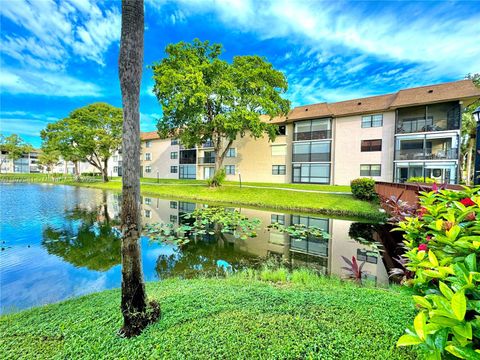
(436, 93)
(457, 90)
(151, 135)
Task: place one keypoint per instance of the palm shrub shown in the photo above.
(443, 252)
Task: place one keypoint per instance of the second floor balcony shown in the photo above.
(206, 160)
(426, 154)
(427, 147)
(430, 118)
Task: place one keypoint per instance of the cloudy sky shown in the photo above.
(60, 55)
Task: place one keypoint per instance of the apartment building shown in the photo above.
(411, 133)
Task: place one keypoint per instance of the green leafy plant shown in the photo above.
(443, 252)
(204, 221)
(363, 189)
(421, 179)
(217, 179)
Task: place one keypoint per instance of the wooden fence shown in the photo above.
(407, 191)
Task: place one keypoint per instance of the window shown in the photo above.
(173, 218)
(148, 201)
(115, 169)
(188, 172)
(148, 143)
(173, 169)
(173, 204)
(278, 169)
(370, 170)
(368, 256)
(311, 151)
(276, 218)
(230, 169)
(279, 150)
(281, 130)
(174, 155)
(311, 173)
(148, 169)
(371, 145)
(148, 213)
(232, 152)
(148, 156)
(115, 158)
(312, 129)
(174, 142)
(372, 121)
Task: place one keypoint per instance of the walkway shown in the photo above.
(250, 186)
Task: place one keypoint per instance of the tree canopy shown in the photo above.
(12, 148)
(48, 158)
(205, 98)
(91, 133)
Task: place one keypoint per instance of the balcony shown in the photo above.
(312, 135)
(206, 160)
(426, 154)
(431, 118)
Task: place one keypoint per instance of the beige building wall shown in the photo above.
(255, 158)
(160, 160)
(347, 155)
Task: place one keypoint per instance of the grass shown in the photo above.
(240, 317)
(321, 203)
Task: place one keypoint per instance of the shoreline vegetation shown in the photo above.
(330, 200)
(250, 314)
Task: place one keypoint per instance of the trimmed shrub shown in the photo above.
(217, 179)
(363, 188)
(420, 179)
(443, 253)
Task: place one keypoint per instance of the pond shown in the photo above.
(60, 241)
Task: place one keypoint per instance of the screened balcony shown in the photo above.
(311, 152)
(435, 117)
(313, 130)
(188, 156)
(427, 147)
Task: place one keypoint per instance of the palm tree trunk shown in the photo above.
(136, 316)
(471, 145)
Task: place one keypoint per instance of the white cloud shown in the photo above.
(53, 29)
(440, 37)
(45, 83)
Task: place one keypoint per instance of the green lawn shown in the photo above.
(306, 317)
(328, 204)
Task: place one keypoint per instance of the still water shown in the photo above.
(60, 241)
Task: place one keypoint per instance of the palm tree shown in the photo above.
(136, 312)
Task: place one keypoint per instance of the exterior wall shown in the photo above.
(347, 155)
(254, 159)
(160, 162)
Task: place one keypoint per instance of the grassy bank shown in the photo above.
(327, 204)
(239, 317)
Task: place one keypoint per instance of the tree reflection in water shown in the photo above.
(94, 243)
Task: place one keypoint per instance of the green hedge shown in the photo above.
(363, 189)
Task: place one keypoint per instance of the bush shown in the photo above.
(91, 174)
(443, 253)
(420, 179)
(217, 179)
(363, 188)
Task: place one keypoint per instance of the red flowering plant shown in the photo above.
(443, 253)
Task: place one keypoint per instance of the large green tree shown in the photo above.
(205, 98)
(91, 133)
(48, 158)
(469, 133)
(12, 147)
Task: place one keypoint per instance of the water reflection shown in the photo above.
(323, 255)
(65, 243)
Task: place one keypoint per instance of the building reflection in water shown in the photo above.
(322, 255)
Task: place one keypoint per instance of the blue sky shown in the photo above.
(60, 55)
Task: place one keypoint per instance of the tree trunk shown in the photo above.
(136, 316)
(76, 174)
(105, 170)
(471, 145)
